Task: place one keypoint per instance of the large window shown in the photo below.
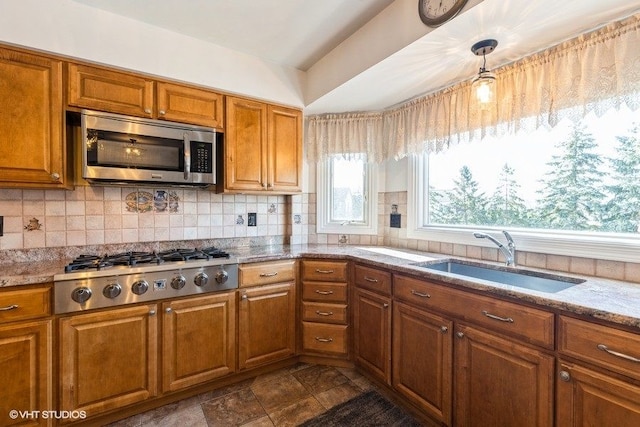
(552, 188)
(346, 196)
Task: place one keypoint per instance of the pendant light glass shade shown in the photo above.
(483, 86)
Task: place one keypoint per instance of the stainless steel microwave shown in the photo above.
(123, 149)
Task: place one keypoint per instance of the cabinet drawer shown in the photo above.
(320, 338)
(326, 271)
(325, 292)
(326, 313)
(373, 279)
(527, 324)
(264, 273)
(610, 348)
(25, 304)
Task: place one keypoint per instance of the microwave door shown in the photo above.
(187, 156)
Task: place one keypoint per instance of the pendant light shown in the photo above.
(484, 84)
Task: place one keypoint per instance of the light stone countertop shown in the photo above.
(609, 300)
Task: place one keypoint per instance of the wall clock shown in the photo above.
(436, 12)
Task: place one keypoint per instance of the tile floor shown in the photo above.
(286, 397)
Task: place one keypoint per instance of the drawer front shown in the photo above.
(324, 292)
(320, 338)
(325, 271)
(25, 304)
(610, 348)
(265, 273)
(528, 324)
(373, 279)
(325, 313)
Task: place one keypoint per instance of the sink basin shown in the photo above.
(532, 280)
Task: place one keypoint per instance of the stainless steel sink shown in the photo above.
(515, 277)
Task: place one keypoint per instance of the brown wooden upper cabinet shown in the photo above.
(32, 149)
(131, 94)
(262, 149)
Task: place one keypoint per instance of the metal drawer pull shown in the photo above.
(324, 271)
(9, 307)
(618, 354)
(324, 313)
(369, 279)
(269, 274)
(324, 292)
(494, 317)
(418, 294)
(324, 339)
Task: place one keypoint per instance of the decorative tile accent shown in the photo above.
(34, 224)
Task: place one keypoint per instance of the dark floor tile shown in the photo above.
(213, 394)
(335, 396)
(260, 422)
(279, 392)
(297, 413)
(191, 416)
(319, 378)
(233, 409)
(164, 411)
(133, 421)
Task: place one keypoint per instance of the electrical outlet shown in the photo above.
(253, 219)
(395, 220)
(1, 225)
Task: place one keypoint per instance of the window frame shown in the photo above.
(606, 246)
(324, 197)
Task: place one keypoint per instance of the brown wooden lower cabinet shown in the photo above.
(198, 340)
(590, 398)
(266, 324)
(498, 382)
(108, 359)
(372, 333)
(422, 360)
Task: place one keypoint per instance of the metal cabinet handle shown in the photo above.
(162, 112)
(168, 310)
(275, 273)
(565, 376)
(369, 279)
(385, 305)
(324, 339)
(324, 271)
(245, 296)
(494, 317)
(419, 294)
(152, 312)
(324, 292)
(324, 313)
(147, 110)
(55, 176)
(9, 307)
(460, 334)
(444, 329)
(618, 354)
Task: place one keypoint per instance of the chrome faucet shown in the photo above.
(509, 252)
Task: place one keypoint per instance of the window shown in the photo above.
(347, 196)
(572, 190)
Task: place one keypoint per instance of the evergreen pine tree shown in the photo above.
(506, 207)
(572, 196)
(465, 204)
(623, 210)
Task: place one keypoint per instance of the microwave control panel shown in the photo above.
(201, 157)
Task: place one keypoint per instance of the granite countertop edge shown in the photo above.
(609, 300)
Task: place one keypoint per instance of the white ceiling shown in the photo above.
(303, 33)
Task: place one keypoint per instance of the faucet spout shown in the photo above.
(509, 252)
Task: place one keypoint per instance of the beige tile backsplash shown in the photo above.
(99, 215)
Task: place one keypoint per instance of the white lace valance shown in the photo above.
(591, 73)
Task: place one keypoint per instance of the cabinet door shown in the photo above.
(499, 382)
(25, 371)
(206, 324)
(372, 334)
(245, 146)
(112, 91)
(32, 148)
(587, 397)
(422, 360)
(285, 149)
(189, 105)
(108, 359)
(267, 324)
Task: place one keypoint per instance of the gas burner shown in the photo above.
(133, 258)
(181, 255)
(87, 262)
(215, 252)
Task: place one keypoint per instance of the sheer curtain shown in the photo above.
(591, 73)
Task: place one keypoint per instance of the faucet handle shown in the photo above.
(508, 236)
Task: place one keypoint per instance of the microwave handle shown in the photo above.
(187, 155)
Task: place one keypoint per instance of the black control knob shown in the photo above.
(178, 282)
(201, 279)
(112, 290)
(222, 277)
(139, 287)
(81, 295)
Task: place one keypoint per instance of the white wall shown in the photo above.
(68, 28)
